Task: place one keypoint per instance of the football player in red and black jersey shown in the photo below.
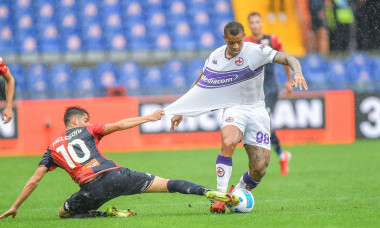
(9, 91)
(270, 83)
(101, 179)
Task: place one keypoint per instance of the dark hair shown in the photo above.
(234, 28)
(73, 111)
(253, 14)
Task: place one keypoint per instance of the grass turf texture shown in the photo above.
(328, 186)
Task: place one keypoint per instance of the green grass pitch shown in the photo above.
(328, 186)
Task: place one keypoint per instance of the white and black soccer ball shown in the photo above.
(246, 201)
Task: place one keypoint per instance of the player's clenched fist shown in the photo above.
(176, 120)
(157, 115)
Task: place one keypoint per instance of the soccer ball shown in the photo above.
(246, 201)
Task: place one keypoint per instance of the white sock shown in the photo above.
(223, 172)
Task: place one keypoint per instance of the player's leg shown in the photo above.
(231, 136)
(160, 184)
(231, 132)
(92, 195)
(257, 145)
(258, 162)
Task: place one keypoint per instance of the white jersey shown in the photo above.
(227, 82)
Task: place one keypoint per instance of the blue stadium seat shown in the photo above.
(175, 73)
(93, 37)
(5, 12)
(130, 75)
(337, 71)
(89, 12)
(161, 41)
(111, 5)
(7, 39)
(132, 11)
(219, 31)
(22, 7)
(66, 7)
(153, 6)
(113, 23)
(314, 68)
(24, 25)
(360, 69)
(280, 75)
(60, 80)
(156, 22)
(375, 73)
(69, 23)
(45, 12)
(72, 42)
(106, 75)
(195, 5)
(84, 82)
(49, 39)
(202, 20)
(206, 40)
(27, 44)
(194, 69)
(176, 10)
(20, 80)
(153, 81)
(116, 42)
(138, 37)
(222, 8)
(183, 36)
(37, 82)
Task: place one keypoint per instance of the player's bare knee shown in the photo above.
(229, 145)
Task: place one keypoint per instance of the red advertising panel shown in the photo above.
(323, 117)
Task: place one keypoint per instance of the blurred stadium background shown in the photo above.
(88, 48)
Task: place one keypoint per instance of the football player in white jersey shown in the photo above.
(234, 73)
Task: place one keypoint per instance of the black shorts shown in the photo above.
(270, 101)
(105, 187)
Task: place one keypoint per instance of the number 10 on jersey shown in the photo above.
(70, 155)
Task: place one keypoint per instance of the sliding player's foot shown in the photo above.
(114, 212)
(232, 188)
(227, 198)
(218, 207)
(284, 162)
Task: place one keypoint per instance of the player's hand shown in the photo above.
(156, 115)
(176, 120)
(288, 87)
(7, 115)
(299, 80)
(12, 211)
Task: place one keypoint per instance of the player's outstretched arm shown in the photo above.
(9, 91)
(133, 122)
(295, 65)
(25, 193)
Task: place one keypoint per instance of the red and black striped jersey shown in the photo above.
(76, 151)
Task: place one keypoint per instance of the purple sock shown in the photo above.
(249, 181)
(224, 160)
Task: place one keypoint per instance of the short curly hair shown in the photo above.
(73, 111)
